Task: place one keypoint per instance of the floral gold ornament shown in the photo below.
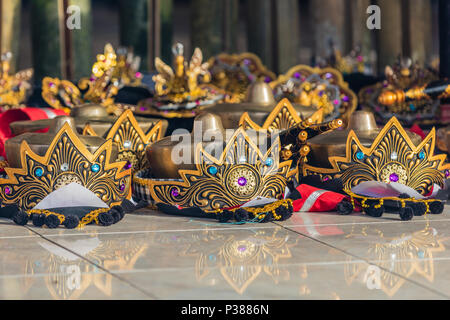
(13, 87)
(316, 88)
(67, 160)
(392, 157)
(235, 72)
(404, 94)
(180, 91)
(223, 182)
(131, 139)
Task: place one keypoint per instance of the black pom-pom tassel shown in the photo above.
(117, 213)
(344, 207)
(52, 221)
(105, 219)
(374, 212)
(224, 216)
(20, 217)
(38, 220)
(241, 215)
(419, 208)
(436, 207)
(71, 222)
(406, 213)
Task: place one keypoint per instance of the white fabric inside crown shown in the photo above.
(71, 195)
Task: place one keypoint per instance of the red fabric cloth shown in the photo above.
(417, 130)
(316, 200)
(13, 115)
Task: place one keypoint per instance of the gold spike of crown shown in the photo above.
(131, 139)
(241, 173)
(66, 160)
(181, 83)
(392, 157)
(13, 87)
(100, 88)
(317, 88)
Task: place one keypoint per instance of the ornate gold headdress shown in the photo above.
(13, 88)
(241, 173)
(131, 139)
(100, 88)
(402, 76)
(316, 88)
(235, 72)
(67, 160)
(392, 157)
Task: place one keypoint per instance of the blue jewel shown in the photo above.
(412, 107)
(269, 162)
(421, 155)
(39, 172)
(360, 155)
(212, 170)
(95, 167)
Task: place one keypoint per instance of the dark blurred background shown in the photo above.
(283, 32)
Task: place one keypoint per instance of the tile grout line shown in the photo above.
(367, 261)
(95, 264)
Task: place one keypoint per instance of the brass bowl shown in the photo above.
(40, 142)
(259, 103)
(94, 115)
(333, 143)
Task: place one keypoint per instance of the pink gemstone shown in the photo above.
(393, 177)
(326, 179)
(328, 75)
(197, 102)
(447, 173)
(336, 101)
(242, 181)
(360, 58)
(138, 74)
(142, 108)
(297, 75)
(7, 190)
(51, 84)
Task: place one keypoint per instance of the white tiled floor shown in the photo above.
(150, 255)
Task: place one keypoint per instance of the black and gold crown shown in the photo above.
(392, 157)
(316, 88)
(235, 72)
(100, 88)
(66, 161)
(180, 91)
(241, 173)
(131, 140)
(406, 76)
(13, 87)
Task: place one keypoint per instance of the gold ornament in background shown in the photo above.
(66, 159)
(241, 173)
(233, 73)
(392, 157)
(316, 88)
(404, 256)
(13, 87)
(404, 79)
(131, 139)
(181, 83)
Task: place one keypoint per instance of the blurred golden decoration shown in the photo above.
(13, 87)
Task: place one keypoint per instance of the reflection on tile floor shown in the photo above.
(153, 256)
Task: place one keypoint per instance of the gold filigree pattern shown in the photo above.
(393, 157)
(66, 158)
(233, 73)
(131, 139)
(215, 183)
(282, 117)
(316, 88)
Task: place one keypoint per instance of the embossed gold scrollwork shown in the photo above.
(66, 157)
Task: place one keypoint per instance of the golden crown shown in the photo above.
(13, 87)
(181, 84)
(235, 72)
(66, 160)
(317, 88)
(131, 140)
(241, 173)
(392, 157)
